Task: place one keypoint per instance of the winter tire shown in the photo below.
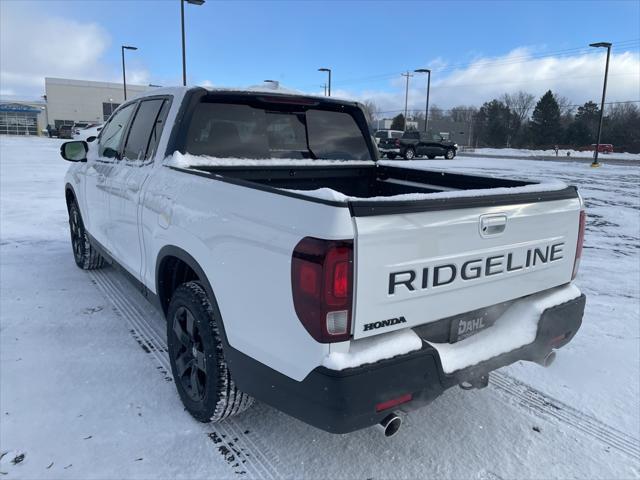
(84, 253)
(449, 154)
(198, 365)
(410, 154)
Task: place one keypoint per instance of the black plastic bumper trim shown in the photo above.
(344, 401)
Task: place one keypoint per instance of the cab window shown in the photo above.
(142, 128)
(111, 135)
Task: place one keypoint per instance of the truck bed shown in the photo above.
(382, 189)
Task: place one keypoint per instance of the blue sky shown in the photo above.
(367, 44)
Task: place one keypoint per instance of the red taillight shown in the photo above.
(407, 397)
(576, 262)
(322, 283)
(397, 142)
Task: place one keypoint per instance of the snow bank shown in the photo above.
(562, 153)
(373, 349)
(516, 327)
(193, 161)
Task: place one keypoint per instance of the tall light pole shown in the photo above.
(426, 110)
(328, 70)
(606, 45)
(124, 73)
(184, 59)
(406, 98)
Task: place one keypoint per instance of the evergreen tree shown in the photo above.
(584, 128)
(398, 122)
(495, 124)
(545, 121)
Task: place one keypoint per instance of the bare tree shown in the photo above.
(436, 113)
(463, 113)
(566, 108)
(370, 110)
(519, 103)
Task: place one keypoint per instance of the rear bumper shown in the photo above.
(344, 401)
(389, 150)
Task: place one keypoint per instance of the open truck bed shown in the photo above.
(378, 189)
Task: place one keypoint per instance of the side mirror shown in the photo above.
(74, 151)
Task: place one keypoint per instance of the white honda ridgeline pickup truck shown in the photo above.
(294, 268)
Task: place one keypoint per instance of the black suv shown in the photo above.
(417, 144)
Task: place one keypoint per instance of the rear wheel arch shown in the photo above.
(175, 266)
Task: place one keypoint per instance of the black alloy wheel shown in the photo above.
(84, 254)
(200, 371)
(77, 238)
(190, 360)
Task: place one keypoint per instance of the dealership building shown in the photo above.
(66, 102)
(22, 117)
(81, 101)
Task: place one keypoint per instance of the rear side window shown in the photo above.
(156, 132)
(396, 134)
(234, 130)
(412, 135)
(144, 123)
(335, 135)
(111, 135)
(381, 134)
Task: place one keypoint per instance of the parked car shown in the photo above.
(92, 130)
(294, 269)
(603, 148)
(415, 144)
(387, 134)
(65, 131)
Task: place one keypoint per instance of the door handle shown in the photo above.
(493, 224)
(132, 185)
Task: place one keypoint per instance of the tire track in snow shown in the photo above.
(244, 455)
(547, 407)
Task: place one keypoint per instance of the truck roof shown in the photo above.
(276, 91)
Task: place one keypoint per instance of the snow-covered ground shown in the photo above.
(523, 152)
(85, 389)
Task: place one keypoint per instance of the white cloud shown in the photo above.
(34, 46)
(579, 78)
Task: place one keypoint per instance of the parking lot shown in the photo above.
(86, 389)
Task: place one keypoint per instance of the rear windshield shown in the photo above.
(228, 130)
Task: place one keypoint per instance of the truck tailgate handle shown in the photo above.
(493, 224)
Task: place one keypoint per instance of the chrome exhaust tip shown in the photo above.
(390, 425)
(549, 359)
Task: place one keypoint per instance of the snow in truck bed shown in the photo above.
(187, 160)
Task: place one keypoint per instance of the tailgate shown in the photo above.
(416, 268)
(388, 143)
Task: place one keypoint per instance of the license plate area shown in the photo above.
(468, 324)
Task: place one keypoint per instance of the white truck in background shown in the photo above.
(294, 268)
